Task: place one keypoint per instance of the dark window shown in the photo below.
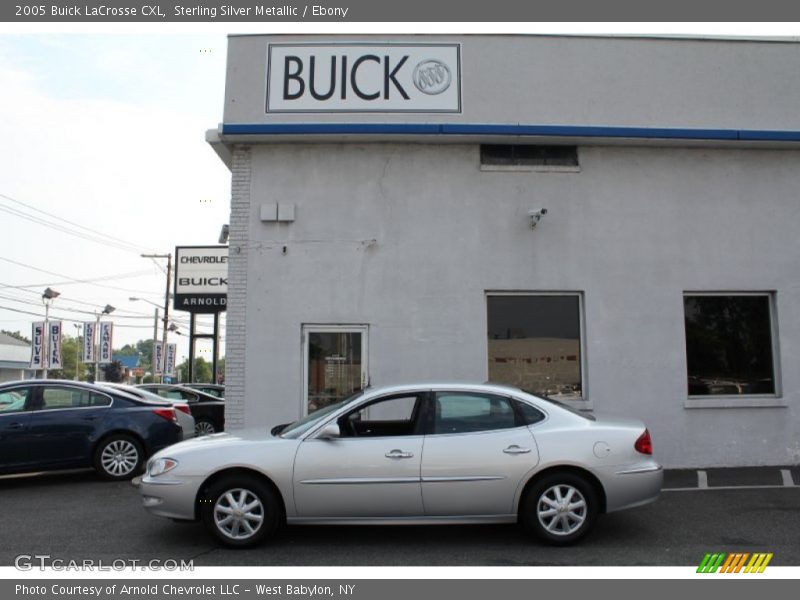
(529, 155)
(393, 416)
(55, 398)
(464, 412)
(535, 343)
(729, 345)
(529, 414)
(13, 401)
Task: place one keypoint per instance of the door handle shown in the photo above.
(514, 449)
(16, 426)
(398, 454)
(91, 418)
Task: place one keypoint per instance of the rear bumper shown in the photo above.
(633, 485)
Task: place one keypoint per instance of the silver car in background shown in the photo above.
(444, 453)
(184, 416)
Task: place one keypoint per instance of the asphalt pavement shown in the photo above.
(77, 516)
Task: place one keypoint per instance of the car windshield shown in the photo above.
(298, 428)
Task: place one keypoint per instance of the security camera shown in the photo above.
(536, 215)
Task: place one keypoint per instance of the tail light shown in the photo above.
(183, 408)
(644, 445)
(166, 413)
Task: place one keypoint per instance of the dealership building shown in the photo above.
(609, 221)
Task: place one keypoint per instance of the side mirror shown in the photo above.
(329, 432)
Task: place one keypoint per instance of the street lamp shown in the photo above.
(106, 311)
(47, 299)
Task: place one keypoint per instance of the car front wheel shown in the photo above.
(118, 457)
(560, 509)
(240, 511)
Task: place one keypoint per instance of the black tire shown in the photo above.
(231, 494)
(204, 427)
(119, 457)
(560, 509)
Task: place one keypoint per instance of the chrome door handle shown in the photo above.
(514, 449)
(16, 426)
(398, 454)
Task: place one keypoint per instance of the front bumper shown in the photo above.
(170, 497)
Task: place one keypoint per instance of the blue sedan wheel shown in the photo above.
(119, 457)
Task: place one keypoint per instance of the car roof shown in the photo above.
(449, 385)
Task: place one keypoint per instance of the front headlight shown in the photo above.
(161, 466)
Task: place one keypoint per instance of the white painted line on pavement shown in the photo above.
(786, 475)
(702, 480)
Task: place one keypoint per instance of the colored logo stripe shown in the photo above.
(734, 562)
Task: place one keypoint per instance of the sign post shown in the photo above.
(201, 286)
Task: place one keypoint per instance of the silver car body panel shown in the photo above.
(444, 478)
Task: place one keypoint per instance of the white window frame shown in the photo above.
(732, 400)
(308, 328)
(585, 402)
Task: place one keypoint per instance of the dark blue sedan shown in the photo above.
(51, 424)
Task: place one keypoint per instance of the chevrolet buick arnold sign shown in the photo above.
(201, 278)
(319, 78)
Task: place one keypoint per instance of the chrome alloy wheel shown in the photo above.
(204, 428)
(238, 514)
(119, 458)
(561, 509)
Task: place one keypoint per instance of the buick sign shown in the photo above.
(320, 78)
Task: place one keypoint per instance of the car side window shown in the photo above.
(13, 401)
(58, 398)
(468, 412)
(393, 416)
(530, 414)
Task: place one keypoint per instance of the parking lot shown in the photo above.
(76, 516)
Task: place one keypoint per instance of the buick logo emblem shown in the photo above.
(432, 77)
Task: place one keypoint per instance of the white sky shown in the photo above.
(103, 125)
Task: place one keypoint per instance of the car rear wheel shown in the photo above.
(204, 427)
(240, 511)
(118, 457)
(560, 509)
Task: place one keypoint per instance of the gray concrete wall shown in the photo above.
(408, 238)
(550, 80)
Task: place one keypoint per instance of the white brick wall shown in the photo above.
(235, 337)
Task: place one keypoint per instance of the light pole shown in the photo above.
(166, 302)
(77, 326)
(47, 299)
(106, 311)
(155, 334)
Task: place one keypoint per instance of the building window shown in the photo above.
(525, 157)
(729, 344)
(535, 343)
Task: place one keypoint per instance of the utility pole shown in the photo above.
(166, 308)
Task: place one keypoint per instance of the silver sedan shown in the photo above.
(415, 455)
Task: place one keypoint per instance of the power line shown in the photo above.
(93, 235)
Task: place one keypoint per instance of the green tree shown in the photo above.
(16, 335)
(201, 372)
(113, 372)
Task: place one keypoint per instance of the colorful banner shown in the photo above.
(38, 354)
(87, 355)
(158, 358)
(54, 345)
(172, 351)
(105, 344)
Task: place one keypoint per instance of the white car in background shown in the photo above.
(443, 453)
